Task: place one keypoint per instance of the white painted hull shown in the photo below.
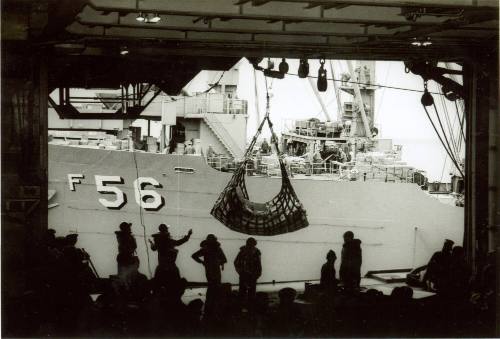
(399, 225)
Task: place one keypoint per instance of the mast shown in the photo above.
(320, 100)
(337, 93)
(256, 92)
(359, 100)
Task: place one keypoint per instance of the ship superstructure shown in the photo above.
(215, 118)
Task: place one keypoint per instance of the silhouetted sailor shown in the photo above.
(74, 257)
(213, 260)
(76, 284)
(165, 245)
(54, 250)
(288, 320)
(126, 246)
(50, 237)
(328, 281)
(350, 266)
(249, 268)
(167, 253)
(133, 287)
(436, 276)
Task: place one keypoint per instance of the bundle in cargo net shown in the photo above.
(282, 214)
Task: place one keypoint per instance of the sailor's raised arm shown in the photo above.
(183, 239)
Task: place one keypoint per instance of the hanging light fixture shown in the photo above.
(124, 50)
(421, 42)
(141, 17)
(322, 81)
(156, 18)
(303, 68)
(427, 42)
(283, 66)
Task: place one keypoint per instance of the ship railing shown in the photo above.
(260, 169)
(387, 174)
(211, 103)
(321, 168)
(220, 162)
(327, 168)
(334, 169)
(215, 162)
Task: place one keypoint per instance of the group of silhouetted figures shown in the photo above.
(210, 255)
(58, 301)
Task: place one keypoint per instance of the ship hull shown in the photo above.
(400, 226)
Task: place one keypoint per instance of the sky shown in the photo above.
(399, 114)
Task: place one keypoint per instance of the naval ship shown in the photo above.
(98, 180)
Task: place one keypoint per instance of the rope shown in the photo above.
(448, 125)
(441, 140)
(178, 192)
(377, 117)
(216, 83)
(461, 120)
(194, 96)
(274, 138)
(444, 136)
(259, 129)
(448, 149)
(141, 216)
(459, 131)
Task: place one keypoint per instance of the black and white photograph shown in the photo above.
(250, 168)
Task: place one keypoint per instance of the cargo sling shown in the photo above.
(282, 214)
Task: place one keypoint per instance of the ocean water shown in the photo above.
(428, 155)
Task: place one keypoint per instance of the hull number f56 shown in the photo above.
(148, 199)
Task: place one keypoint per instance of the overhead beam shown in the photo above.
(396, 3)
(254, 2)
(108, 71)
(220, 30)
(390, 49)
(322, 46)
(326, 5)
(231, 30)
(267, 17)
(470, 4)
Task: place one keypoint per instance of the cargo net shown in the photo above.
(282, 214)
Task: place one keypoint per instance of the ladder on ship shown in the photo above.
(223, 135)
